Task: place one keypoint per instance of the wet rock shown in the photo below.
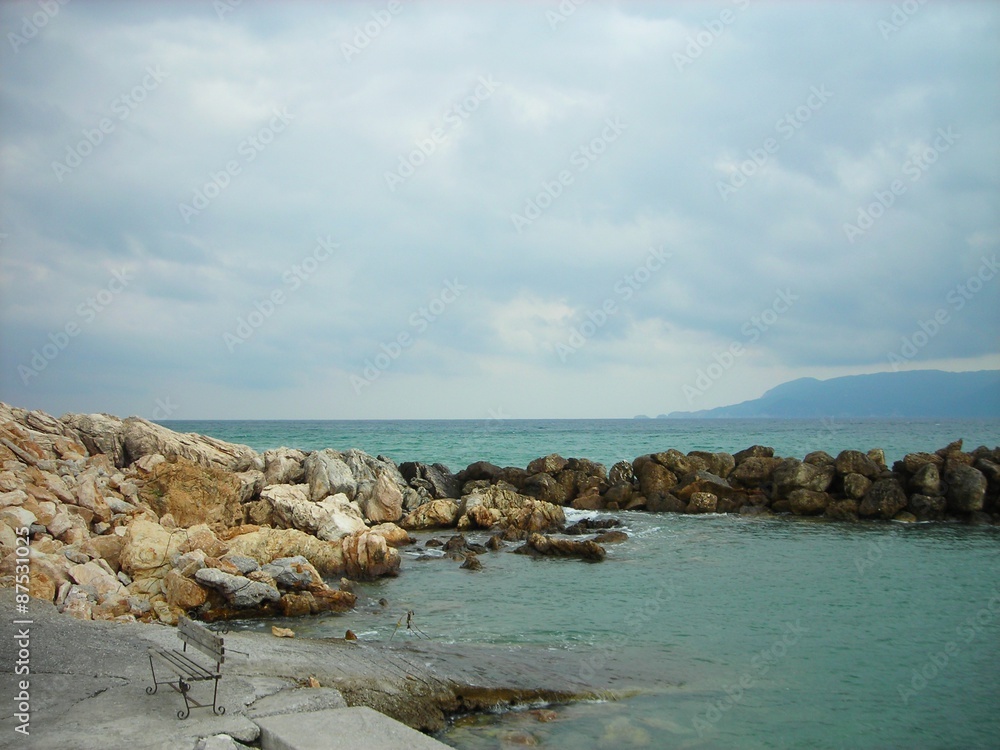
(885, 499)
(665, 503)
(472, 562)
(435, 514)
(589, 525)
(966, 489)
(546, 545)
(611, 537)
(702, 502)
(803, 502)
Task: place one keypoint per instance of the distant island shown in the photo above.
(914, 394)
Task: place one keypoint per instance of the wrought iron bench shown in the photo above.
(186, 669)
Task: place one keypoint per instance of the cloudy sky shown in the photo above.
(463, 210)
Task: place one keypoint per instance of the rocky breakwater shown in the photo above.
(128, 520)
(947, 485)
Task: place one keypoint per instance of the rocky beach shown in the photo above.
(123, 520)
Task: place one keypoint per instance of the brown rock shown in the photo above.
(366, 556)
(435, 514)
(193, 494)
(856, 486)
(393, 534)
(885, 499)
(843, 510)
(804, 502)
(547, 545)
(754, 471)
(183, 593)
(702, 502)
(551, 464)
(655, 478)
(856, 462)
(966, 489)
(264, 545)
(385, 503)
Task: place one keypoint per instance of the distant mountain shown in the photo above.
(916, 393)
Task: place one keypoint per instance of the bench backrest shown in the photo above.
(201, 638)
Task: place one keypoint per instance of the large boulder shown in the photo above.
(720, 463)
(330, 519)
(498, 507)
(966, 489)
(702, 502)
(856, 486)
(193, 493)
(539, 544)
(143, 438)
(367, 556)
(544, 487)
(885, 499)
(654, 477)
(926, 480)
(856, 462)
(792, 474)
(754, 471)
(265, 545)
(149, 550)
(283, 466)
(293, 573)
(805, 502)
(384, 502)
(437, 479)
(327, 473)
(551, 464)
(239, 592)
(435, 514)
(100, 433)
(754, 451)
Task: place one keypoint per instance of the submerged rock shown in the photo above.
(539, 544)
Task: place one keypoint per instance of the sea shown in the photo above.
(760, 633)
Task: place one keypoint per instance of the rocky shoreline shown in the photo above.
(125, 520)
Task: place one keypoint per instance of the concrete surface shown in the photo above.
(358, 728)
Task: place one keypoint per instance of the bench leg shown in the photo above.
(152, 688)
(216, 708)
(184, 687)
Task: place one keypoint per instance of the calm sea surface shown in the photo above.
(766, 633)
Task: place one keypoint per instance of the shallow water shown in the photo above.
(763, 633)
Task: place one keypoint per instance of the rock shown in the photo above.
(856, 486)
(589, 500)
(819, 458)
(264, 545)
(435, 514)
(77, 604)
(92, 576)
(619, 494)
(546, 488)
(966, 489)
(547, 545)
(472, 562)
(367, 556)
(147, 463)
(201, 537)
(792, 474)
(927, 507)
(804, 502)
(550, 464)
(611, 537)
(480, 470)
(621, 472)
(877, 455)
(588, 525)
(193, 493)
(292, 573)
(720, 464)
(220, 742)
(17, 517)
(704, 481)
(495, 543)
(440, 482)
(330, 519)
(843, 510)
(385, 503)
(278, 632)
(912, 462)
(283, 466)
(677, 462)
(926, 480)
(654, 478)
(511, 510)
(99, 433)
(242, 563)
(327, 473)
(89, 496)
(904, 517)
(667, 503)
(394, 536)
(588, 468)
(702, 502)
(754, 471)
(143, 438)
(885, 499)
(754, 451)
(856, 462)
(240, 592)
(183, 593)
(149, 550)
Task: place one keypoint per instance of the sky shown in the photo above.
(305, 210)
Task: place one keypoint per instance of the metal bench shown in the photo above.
(187, 670)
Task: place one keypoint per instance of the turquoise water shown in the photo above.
(759, 633)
